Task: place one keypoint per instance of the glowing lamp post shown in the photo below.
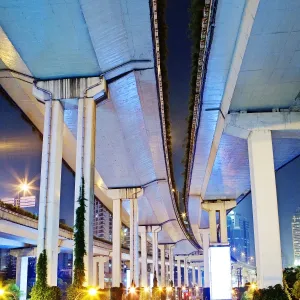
(4, 292)
(90, 292)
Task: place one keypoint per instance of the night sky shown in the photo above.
(179, 73)
(20, 146)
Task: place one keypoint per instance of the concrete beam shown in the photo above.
(241, 124)
(72, 88)
(237, 59)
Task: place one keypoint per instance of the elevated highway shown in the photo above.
(115, 42)
(246, 116)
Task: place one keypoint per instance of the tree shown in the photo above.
(270, 293)
(79, 248)
(296, 289)
(41, 290)
(38, 291)
(79, 239)
(12, 289)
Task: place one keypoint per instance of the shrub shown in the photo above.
(270, 293)
(12, 289)
(53, 293)
(296, 289)
(41, 290)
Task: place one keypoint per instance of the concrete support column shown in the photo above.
(205, 233)
(223, 226)
(21, 276)
(162, 265)
(179, 272)
(220, 206)
(98, 278)
(116, 245)
(144, 255)
(213, 226)
(48, 224)
(134, 243)
(85, 168)
(193, 275)
(265, 209)
(199, 277)
(171, 263)
(186, 273)
(155, 230)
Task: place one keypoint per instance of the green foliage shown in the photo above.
(28, 214)
(77, 289)
(53, 293)
(248, 295)
(18, 210)
(41, 290)
(271, 293)
(73, 292)
(79, 240)
(13, 291)
(296, 289)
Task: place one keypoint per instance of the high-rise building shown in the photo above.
(296, 236)
(238, 236)
(102, 221)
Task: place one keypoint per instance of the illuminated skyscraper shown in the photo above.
(102, 221)
(238, 236)
(296, 236)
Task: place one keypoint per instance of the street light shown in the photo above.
(91, 292)
(4, 292)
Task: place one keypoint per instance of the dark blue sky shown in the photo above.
(179, 73)
(20, 157)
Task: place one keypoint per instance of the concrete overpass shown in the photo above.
(246, 118)
(101, 50)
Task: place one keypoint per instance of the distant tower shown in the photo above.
(102, 221)
(296, 236)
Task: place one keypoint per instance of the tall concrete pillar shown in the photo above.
(85, 168)
(223, 226)
(86, 90)
(186, 272)
(48, 224)
(171, 263)
(116, 245)
(213, 226)
(205, 233)
(155, 230)
(265, 209)
(220, 206)
(193, 275)
(144, 256)
(199, 277)
(134, 243)
(98, 271)
(162, 265)
(21, 275)
(179, 272)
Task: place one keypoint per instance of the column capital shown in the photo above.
(71, 88)
(125, 193)
(242, 124)
(24, 252)
(204, 231)
(217, 205)
(101, 259)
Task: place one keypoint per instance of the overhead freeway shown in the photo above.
(248, 64)
(119, 40)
